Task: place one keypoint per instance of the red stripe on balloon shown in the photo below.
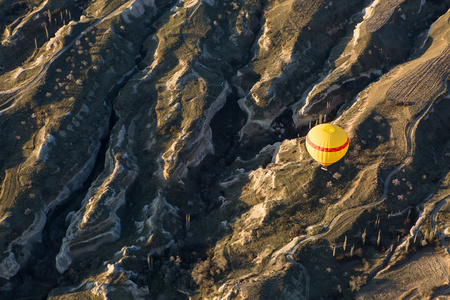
(326, 149)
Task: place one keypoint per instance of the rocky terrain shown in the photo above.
(154, 149)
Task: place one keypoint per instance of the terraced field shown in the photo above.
(155, 149)
(427, 82)
(380, 13)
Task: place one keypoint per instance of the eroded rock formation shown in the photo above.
(155, 148)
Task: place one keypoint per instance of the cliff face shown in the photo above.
(152, 148)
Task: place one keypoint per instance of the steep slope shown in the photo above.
(153, 149)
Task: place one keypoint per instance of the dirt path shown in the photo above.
(303, 270)
(434, 221)
(342, 218)
(354, 185)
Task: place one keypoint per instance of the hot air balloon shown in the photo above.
(327, 143)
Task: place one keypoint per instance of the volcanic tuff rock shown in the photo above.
(154, 148)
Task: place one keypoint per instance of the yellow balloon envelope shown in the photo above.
(327, 143)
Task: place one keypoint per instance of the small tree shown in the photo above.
(356, 282)
(188, 221)
(201, 272)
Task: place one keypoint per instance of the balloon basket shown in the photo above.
(324, 168)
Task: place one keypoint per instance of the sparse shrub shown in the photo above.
(429, 237)
(221, 264)
(409, 184)
(201, 273)
(378, 118)
(296, 230)
(169, 272)
(175, 275)
(354, 153)
(336, 175)
(329, 184)
(396, 182)
(356, 282)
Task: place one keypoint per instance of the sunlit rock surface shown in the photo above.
(154, 149)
